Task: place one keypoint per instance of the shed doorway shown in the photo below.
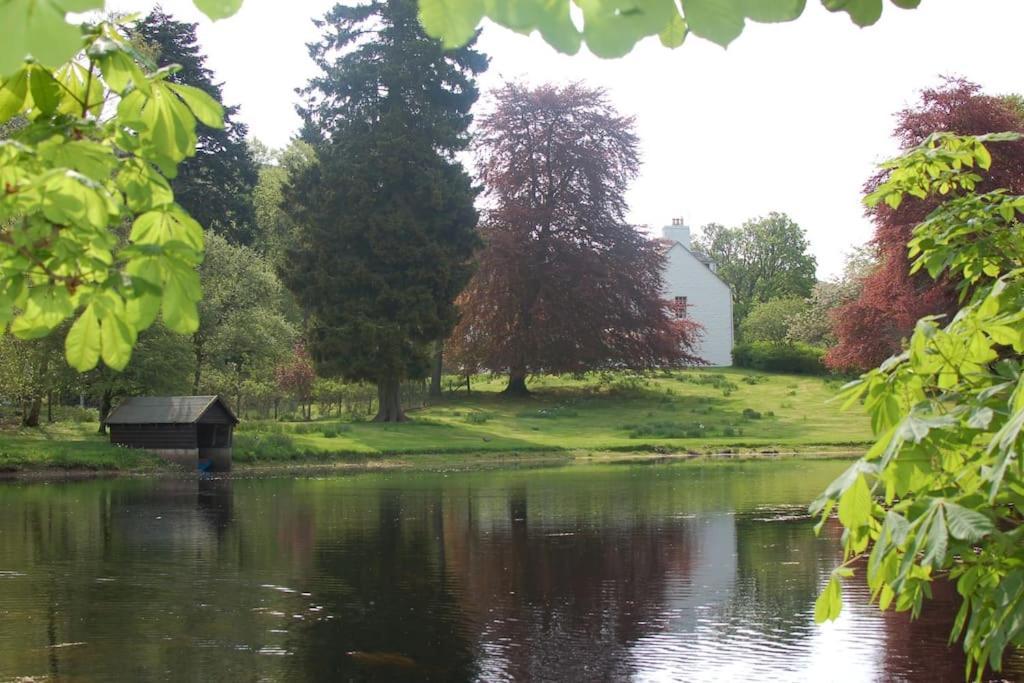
(214, 436)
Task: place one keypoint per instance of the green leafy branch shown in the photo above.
(88, 222)
(611, 28)
(941, 490)
(40, 29)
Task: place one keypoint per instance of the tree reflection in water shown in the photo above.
(587, 573)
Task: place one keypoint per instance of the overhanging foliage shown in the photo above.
(101, 138)
(610, 28)
(940, 493)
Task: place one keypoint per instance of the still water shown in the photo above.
(652, 573)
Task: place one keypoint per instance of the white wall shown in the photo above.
(709, 302)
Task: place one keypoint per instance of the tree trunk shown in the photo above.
(49, 406)
(389, 408)
(30, 414)
(435, 375)
(516, 383)
(105, 402)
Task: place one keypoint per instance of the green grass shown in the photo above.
(68, 446)
(700, 411)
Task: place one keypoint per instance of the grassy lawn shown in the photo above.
(68, 445)
(699, 410)
(693, 411)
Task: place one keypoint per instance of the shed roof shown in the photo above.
(165, 409)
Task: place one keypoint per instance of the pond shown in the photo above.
(685, 572)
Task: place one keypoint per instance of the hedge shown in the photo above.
(794, 357)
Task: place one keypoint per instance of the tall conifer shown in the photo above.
(385, 219)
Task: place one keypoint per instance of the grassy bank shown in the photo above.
(694, 412)
(69, 446)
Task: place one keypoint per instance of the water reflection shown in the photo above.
(670, 573)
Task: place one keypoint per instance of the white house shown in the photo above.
(696, 292)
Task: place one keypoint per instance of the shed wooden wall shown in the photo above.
(154, 436)
(216, 414)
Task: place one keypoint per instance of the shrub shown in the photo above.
(769, 321)
(251, 446)
(334, 431)
(797, 358)
(705, 378)
(75, 414)
(751, 414)
(307, 428)
(261, 426)
(477, 418)
(628, 386)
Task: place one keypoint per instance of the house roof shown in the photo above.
(667, 245)
(165, 409)
(664, 245)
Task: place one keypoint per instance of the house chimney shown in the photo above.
(677, 232)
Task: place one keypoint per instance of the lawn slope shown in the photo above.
(696, 411)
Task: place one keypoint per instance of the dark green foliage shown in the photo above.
(796, 357)
(216, 185)
(385, 219)
(751, 414)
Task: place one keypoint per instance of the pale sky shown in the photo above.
(791, 117)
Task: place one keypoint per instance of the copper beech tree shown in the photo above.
(563, 282)
(873, 327)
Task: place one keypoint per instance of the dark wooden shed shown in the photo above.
(194, 431)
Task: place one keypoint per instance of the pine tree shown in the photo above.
(216, 185)
(385, 223)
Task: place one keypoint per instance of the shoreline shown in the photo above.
(435, 462)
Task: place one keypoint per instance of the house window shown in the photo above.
(679, 307)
